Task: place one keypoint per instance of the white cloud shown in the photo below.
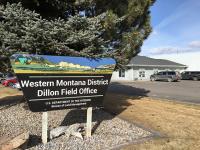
(171, 50)
(168, 50)
(154, 32)
(195, 44)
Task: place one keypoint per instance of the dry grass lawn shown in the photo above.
(178, 123)
(9, 97)
(7, 91)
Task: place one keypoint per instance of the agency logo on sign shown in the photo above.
(59, 82)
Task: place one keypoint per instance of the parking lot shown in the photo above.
(184, 90)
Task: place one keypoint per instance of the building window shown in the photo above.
(121, 72)
(165, 73)
(142, 74)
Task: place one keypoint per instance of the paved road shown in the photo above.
(188, 91)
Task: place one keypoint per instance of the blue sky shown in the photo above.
(81, 60)
(176, 28)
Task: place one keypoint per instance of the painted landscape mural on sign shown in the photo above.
(61, 64)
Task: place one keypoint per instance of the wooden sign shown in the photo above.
(59, 82)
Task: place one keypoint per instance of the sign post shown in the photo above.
(62, 82)
(44, 127)
(89, 122)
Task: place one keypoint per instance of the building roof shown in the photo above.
(147, 61)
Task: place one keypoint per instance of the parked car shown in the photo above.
(10, 81)
(190, 75)
(17, 86)
(9, 75)
(169, 76)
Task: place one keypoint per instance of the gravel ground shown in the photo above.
(108, 131)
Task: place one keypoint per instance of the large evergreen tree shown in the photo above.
(95, 28)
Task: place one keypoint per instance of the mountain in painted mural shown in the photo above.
(110, 66)
(71, 65)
